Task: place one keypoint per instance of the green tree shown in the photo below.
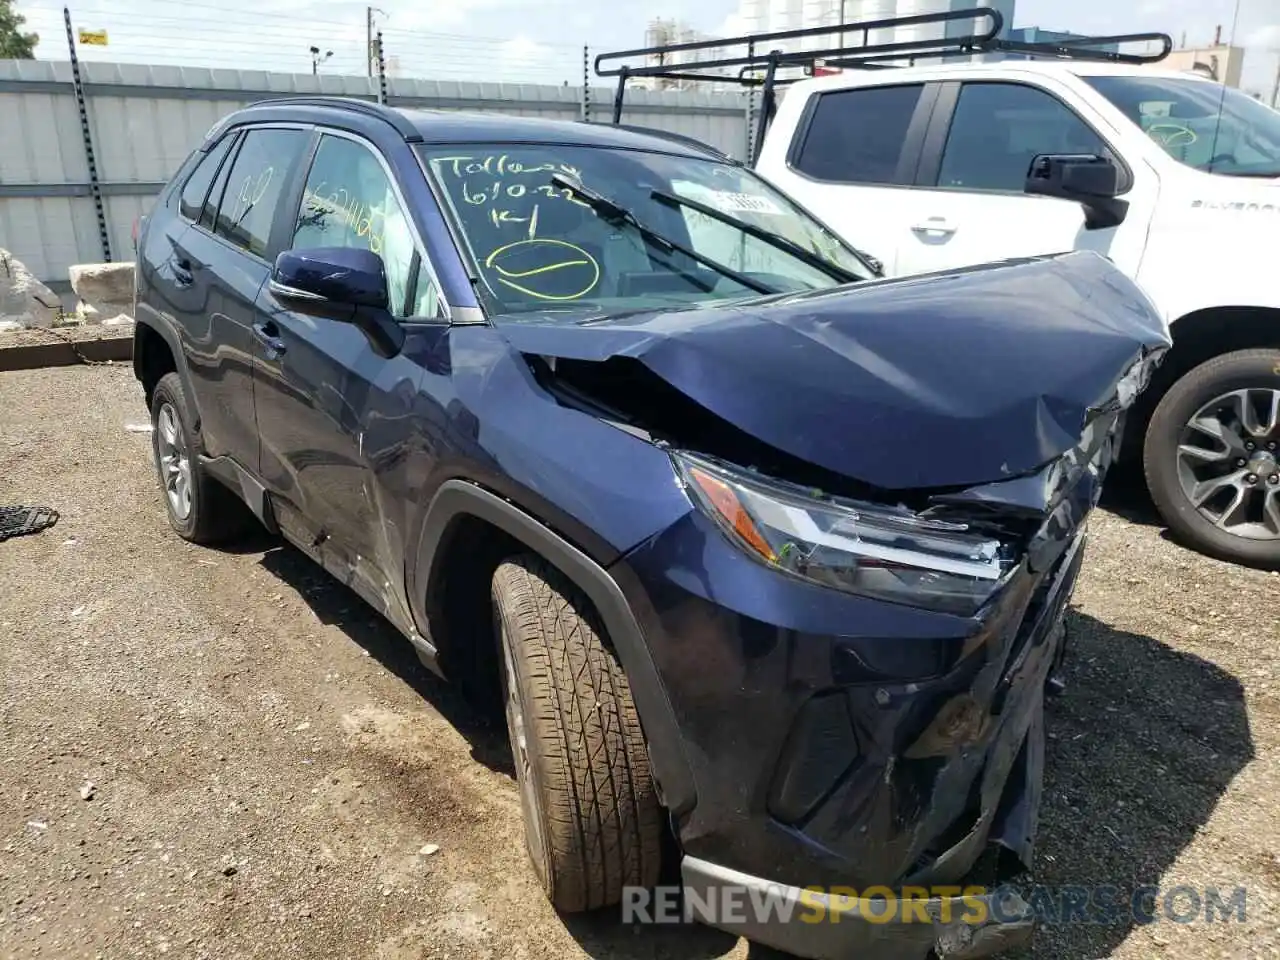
(14, 44)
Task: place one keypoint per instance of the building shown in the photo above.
(1037, 35)
(663, 32)
(1220, 62)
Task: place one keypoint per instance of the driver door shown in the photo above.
(330, 408)
(969, 206)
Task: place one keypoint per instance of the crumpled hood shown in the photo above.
(949, 379)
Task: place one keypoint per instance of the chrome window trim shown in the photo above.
(419, 245)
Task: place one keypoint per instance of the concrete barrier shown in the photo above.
(105, 291)
(24, 300)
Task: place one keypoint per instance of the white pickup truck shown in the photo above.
(1174, 177)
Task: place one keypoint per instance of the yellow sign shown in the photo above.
(93, 38)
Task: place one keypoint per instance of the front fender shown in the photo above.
(456, 499)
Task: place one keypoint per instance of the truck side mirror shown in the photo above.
(1091, 181)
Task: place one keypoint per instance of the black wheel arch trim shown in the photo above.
(166, 332)
(459, 498)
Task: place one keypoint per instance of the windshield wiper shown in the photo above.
(833, 270)
(612, 212)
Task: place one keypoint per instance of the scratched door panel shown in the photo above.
(316, 397)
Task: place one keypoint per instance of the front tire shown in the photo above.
(1210, 457)
(592, 819)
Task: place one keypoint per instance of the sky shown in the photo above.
(537, 40)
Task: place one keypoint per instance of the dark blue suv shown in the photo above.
(764, 552)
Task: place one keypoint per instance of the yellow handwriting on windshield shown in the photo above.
(545, 269)
(500, 165)
(509, 188)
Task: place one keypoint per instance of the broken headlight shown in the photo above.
(870, 550)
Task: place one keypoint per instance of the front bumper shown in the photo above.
(810, 923)
(893, 753)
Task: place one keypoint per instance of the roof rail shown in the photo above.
(675, 137)
(369, 108)
(759, 58)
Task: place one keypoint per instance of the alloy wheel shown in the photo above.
(1228, 464)
(174, 460)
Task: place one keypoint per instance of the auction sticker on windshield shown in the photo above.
(727, 201)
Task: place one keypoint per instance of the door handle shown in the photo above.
(938, 225)
(268, 334)
(182, 274)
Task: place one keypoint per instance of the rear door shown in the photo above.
(853, 160)
(224, 255)
(213, 330)
(969, 205)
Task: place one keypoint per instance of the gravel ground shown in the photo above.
(224, 754)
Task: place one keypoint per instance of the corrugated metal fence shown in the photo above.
(143, 121)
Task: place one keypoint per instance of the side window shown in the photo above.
(999, 128)
(258, 175)
(209, 213)
(349, 201)
(426, 298)
(857, 136)
(197, 186)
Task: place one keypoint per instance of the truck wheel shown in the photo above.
(199, 508)
(1211, 457)
(591, 815)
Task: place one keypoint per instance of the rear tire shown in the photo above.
(1195, 395)
(592, 820)
(199, 508)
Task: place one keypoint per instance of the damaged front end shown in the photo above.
(856, 621)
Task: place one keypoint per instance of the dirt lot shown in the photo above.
(271, 771)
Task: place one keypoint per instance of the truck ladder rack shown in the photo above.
(758, 60)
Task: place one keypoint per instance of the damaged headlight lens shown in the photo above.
(873, 551)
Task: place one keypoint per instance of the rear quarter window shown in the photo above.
(858, 135)
(197, 186)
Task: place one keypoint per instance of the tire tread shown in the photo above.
(601, 810)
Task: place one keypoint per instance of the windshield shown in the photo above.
(1208, 126)
(538, 246)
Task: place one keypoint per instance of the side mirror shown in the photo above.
(330, 280)
(1091, 181)
(339, 283)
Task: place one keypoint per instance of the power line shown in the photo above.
(146, 40)
(128, 16)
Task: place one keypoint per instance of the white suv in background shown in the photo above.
(1173, 177)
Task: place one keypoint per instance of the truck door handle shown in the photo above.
(937, 225)
(268, 334)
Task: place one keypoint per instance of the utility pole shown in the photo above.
(1275, 88)
(382, 68)
(370, 48)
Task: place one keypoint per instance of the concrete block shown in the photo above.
(24, 300)
(106, 289)
(87, 313)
